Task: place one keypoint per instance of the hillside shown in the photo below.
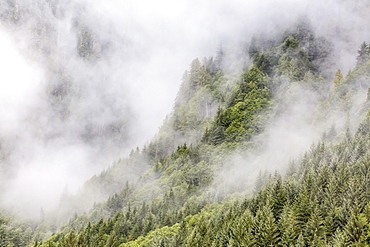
(195, 183)
(267, 142)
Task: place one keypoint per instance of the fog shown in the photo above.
(299, 123)
(69, 109)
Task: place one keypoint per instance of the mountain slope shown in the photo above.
(181, 194)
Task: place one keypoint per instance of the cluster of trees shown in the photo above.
(293, 54)
(322, 200)
(243, 118)
(13, 233)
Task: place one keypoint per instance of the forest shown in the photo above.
(214, 174)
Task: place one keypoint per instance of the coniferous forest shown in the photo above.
(269, 147)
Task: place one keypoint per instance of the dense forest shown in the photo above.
(213, 174)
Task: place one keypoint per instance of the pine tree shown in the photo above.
(241, 230)
(314, 228)
(278, 196)
(338, 78)
(70, 239)
(265, 228)
(363, 54)
(356, 228)
(288, 228)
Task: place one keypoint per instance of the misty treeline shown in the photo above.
(177, 194)
(76, 104)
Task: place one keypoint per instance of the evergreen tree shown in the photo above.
(265, 229)
(363, 54)
(338, 78)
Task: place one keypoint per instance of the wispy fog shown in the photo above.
(84, 82)
(299, 123)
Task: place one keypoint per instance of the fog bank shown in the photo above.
(84, 82)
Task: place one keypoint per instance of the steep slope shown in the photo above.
(322, 201)
(184, 163)
(88, 107)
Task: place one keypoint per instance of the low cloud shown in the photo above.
(68, 111)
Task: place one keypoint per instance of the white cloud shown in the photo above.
(20, 81)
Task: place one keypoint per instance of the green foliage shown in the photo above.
(244, 116)
(322, 201)
(338, 77)
(13, 233)
(300, 52)
(290, 43)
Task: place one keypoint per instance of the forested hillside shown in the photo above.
(267, 143)
(180, 195)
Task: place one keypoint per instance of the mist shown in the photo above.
(298, 123)
(69, 111)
